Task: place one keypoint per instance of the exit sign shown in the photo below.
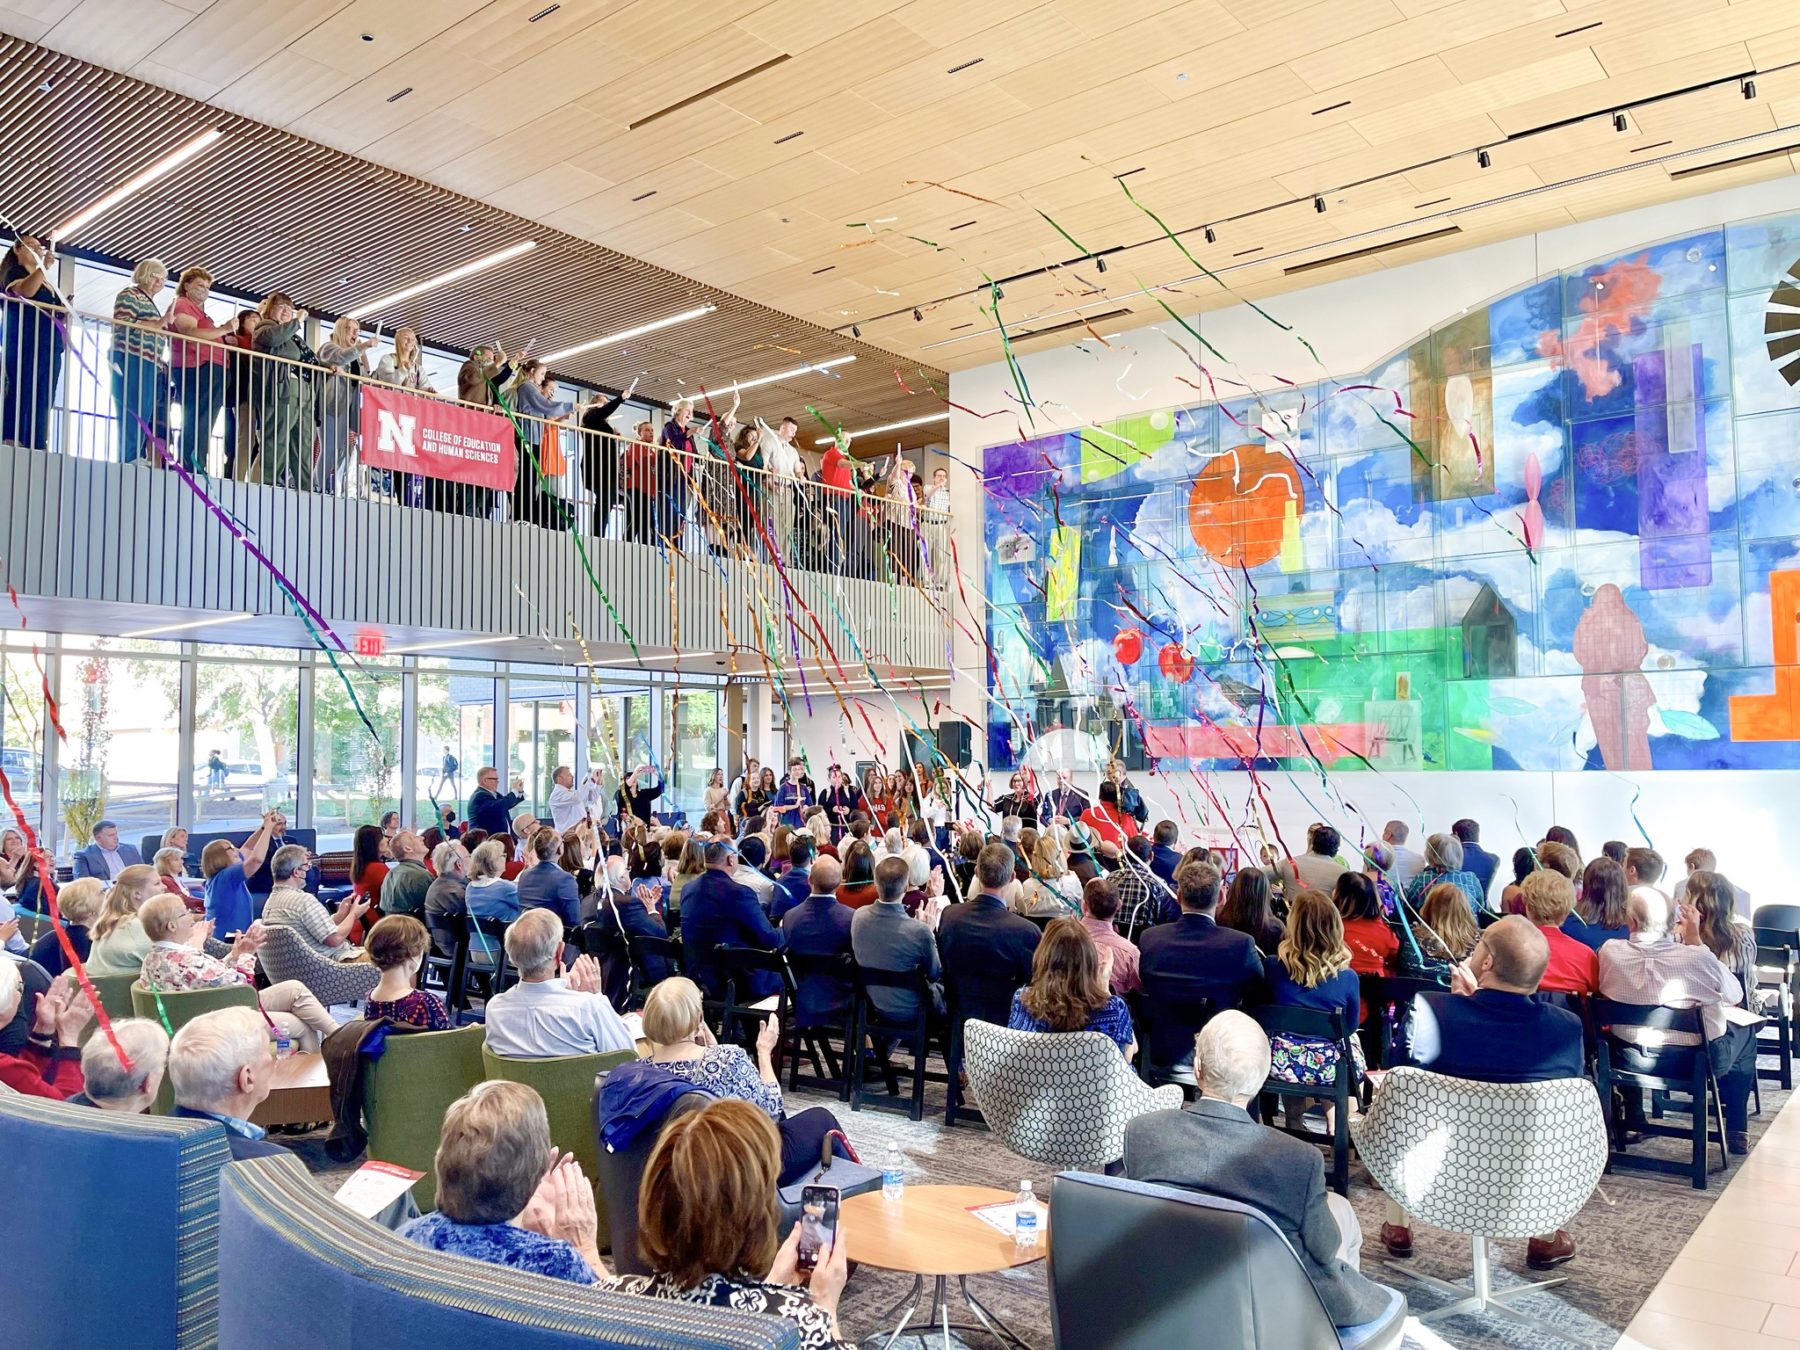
(370, 642)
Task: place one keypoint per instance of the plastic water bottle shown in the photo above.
(893, 1173)
(284, 1046)
(1025, 1217)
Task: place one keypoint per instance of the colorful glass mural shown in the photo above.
(1560, 531)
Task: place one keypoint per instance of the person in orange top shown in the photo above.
(1574, 966)
(1106, 820)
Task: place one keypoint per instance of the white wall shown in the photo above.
(1353, 324)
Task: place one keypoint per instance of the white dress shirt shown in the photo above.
(1671, 974)
(569, 806)
(543, 1018)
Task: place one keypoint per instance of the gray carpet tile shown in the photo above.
(1626, 1236)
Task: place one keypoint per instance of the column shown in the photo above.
(409, 742)
(303, 749)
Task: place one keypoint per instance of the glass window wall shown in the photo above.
(246, 737)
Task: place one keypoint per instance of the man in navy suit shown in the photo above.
(1476, 859)
(544, 884)
(1194, 958)
(820, 926)
(719, 912)
(106, 857)
(985, 949)
(1491, 1029)
(794, 885)
(1164, 856)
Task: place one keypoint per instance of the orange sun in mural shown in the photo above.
(1239, 504)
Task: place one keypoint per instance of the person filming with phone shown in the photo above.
(707, 1226)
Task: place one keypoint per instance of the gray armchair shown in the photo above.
(287, 956)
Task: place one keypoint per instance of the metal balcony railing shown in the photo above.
(596, 538)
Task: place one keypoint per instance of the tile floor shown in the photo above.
(1736, 1284)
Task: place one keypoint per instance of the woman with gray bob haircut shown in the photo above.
(127, 1087)
(505, 1196)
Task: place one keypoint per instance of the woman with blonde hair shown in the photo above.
(689, 865)
(708, 1227)
(79, 902)
(139, 389)
(683, 1045)
(1050, 890)
(340, 399)
(171, 866)
(1445, 935)
(716, 798)
(1070, 989)
(1312, 970)
(119, 942)
(198, 365)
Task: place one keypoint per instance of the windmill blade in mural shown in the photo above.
(1781, 325)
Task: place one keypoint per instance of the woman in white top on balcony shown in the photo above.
(404, 365)
(340, 400)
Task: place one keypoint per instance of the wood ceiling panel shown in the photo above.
(377, 106)
(549, 190)
(1696, 30)
(1411, 39)
(632, 154)
(799, 25)
(1007, 47)
(398, 26)
(32, 19)
(116, 33)
(843, 62)
(1268, 41)
(559, 133)
(1539, 41)
(430, 141)
(1617, 91)
(230, 38)
(530, 90)
(1570, 70)
(283, 88)
(882, 140)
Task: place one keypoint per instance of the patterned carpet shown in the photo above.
(1626, 1237)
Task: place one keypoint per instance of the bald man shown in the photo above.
(1657, 965)
(1490, 1029)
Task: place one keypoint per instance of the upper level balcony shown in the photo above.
(625, 550)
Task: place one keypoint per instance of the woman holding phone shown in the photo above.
(707, 1227)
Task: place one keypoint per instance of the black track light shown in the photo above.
(917, 316)
(1211, 238)
(855, 332)
(1100, 263)
(1483, 159)
(1749, 88)
(1620, 123)
(1319, 205)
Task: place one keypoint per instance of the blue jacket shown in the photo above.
(489, 811)
(1494, 1037)
(545, 885)
(719, 912)
(791, 887)
(820, 926)
(1164, 860)
(1175, 960)
(629, 917)
(634, 1098)
(792, 799)
(89, 863)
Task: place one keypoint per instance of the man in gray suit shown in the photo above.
(883, 936)
(1214, 1147)
(106, 857)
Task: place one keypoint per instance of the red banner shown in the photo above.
(410, 434)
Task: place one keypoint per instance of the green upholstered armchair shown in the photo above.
(406, 1092)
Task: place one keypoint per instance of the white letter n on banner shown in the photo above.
(396, 431)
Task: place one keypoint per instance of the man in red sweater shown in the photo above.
(51, 1064)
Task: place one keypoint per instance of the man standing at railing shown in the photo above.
(488, 810)
(285, 418)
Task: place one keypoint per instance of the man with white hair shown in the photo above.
(1406, 862)
(221, 1067)
(447, 898)
(570, 805)
(1213, 1146)
(550, 1012)
(403, 890)
(127, 1086)
(1652, 967)
(327, 933)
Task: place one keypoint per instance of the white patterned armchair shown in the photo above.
(1060, 1097)
(286, 956)
(1490, 1160)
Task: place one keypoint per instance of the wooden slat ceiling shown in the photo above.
(847, 162)
(265, 209)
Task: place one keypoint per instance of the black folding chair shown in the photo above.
(642, 947)
(741, 1017)
(869, 1024)
(834, 978)
(1174, 1011)
(1686, 1070)
(486, 968)
(1773, 997)
(447, 973)
(1323, 1026)
(1390, 1000)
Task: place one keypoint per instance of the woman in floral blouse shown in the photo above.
(397, 947)
(708, 1232)
(175, 965)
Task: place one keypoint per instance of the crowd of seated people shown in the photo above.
(1315, 932)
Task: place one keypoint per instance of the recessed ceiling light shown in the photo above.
(368, 37)
(890, 426)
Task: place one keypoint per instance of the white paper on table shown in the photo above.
(1742, 1017)
(374, 1186)
(1003, 1218)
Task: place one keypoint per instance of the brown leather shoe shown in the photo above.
(1549, 1253)
(1397, 1238)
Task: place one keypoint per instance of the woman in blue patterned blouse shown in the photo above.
(1069, 989)
(504, 1196)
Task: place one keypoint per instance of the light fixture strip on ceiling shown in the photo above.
(888, 426)
(468, 269)
(163, 167)
(793, 374)
(626, 334)
(185, 626)
(430, 648)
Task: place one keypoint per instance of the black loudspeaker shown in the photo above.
(954, 740)
(919, 750)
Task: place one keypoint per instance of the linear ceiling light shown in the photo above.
(626, 334)
(430, 648)
(795, 373)
(207, 622)
(164, 166)
(889, 426)
(468, 269)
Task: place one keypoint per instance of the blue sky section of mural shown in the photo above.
(1574, 565)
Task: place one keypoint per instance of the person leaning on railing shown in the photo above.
(31, 360)
(197, 367)
(600, 455)
(540, 467)
(284, 396)
(344, 355)
(139, 387)
(240, 395)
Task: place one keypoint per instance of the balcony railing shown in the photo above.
(264, 435)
